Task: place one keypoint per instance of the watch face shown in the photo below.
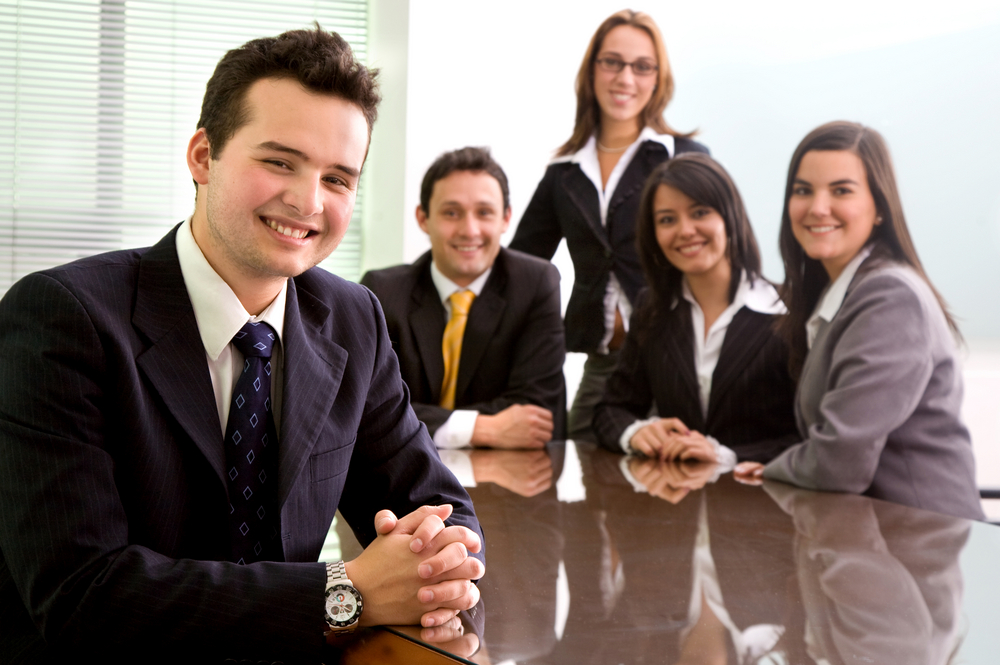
(343, 605)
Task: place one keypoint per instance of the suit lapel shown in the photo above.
(175, 363)
(581, 192)
(680, 358)
(313, 369)
(634, 178)
(484, 317)
(744, 338)
(427, 323)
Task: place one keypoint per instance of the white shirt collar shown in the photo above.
(590, 147)
(217, 310)
(833, 296)
(759, 296)
(445, 287)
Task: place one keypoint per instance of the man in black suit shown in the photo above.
(503, 385)
(118, 475)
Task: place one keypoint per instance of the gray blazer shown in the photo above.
(879, 399)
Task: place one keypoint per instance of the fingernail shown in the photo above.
(381, 523)
(429, 622)
(424, 570)
(416, 545)
(425, 596)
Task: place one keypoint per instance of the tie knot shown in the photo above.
(461, 302)
(255, 339)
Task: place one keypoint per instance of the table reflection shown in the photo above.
(678, 563)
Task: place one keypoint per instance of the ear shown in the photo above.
(878, 220)
(199, 157)
(506, 220)
(422, 219)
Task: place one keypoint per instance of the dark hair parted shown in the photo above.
(322, 62)
(703, 180)
(805, 278)
(588, 112)
(464, 159)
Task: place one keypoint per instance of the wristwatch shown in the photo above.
(343, 601)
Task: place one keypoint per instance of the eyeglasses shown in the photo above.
(639, 67)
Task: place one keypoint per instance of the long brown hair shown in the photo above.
(805, 278)
(588, 113)
(703, 180)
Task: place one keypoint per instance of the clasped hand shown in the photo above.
(670, 481)
(417, 570)
(670, 439)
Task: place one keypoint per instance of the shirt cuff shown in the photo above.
(625, 441)
(627, 472)
(459, 462)
(456, 432)
(725, 458)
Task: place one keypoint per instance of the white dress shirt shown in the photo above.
(615, 299)
(759, 296)
(833, 296)
(456, 432)
(220, 315)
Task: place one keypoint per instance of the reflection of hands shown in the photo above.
(517, 426)
(527, 472)
(749, 473)
(671, 481)
(451, 637)
(417, 570)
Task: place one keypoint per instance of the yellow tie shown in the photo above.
(451, 344)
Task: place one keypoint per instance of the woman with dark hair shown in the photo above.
(871, 341)
(590, 192)
(702, 345)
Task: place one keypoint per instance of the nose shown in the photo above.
(626, 75)
(305, 196)
(685, 227)
(820, 205)
(468, 226)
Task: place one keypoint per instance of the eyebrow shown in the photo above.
(842, 181)
(281, 147)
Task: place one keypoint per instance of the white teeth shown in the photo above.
(285, 231)
(821, 229)
(689, 250)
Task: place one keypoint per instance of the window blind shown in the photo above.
(98, 99)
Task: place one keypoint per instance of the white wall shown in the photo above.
(753, 78)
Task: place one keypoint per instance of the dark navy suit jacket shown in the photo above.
(113, 500)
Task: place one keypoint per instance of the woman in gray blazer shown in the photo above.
(871, 341)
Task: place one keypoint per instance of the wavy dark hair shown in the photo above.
(805, 278)
(588, 112)
(702, 179)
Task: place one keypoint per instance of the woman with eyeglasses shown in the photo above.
(879, 382)
(702, 346)
(590, 192)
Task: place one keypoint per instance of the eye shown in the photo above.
(335, 180)
(801, 190)
(664, 220)
(611, 63)
(699, 213)
(840, 191)
(277, 163)
(643, 67)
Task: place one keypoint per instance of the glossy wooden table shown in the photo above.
(586, 569)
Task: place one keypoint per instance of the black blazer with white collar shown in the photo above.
(113, 496)
(512, 351)
(566, 205)
(751, 404)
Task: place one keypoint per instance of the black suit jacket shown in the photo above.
(750, 408)
(112, 488)
(566, 205)
(513, 348)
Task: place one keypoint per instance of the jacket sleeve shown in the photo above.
(627, 394)
(539, 232)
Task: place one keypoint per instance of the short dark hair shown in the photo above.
(805, 278)
(464, 159)
(321, 61)
(703, 180)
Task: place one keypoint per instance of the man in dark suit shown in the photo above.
(123, 382)
(486, 371)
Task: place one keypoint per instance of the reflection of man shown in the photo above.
(477, 328)
(141, 461)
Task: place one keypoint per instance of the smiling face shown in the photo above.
(622, 96)
(465, 221)
(279, 197)
(831, 208)
(691, 235)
